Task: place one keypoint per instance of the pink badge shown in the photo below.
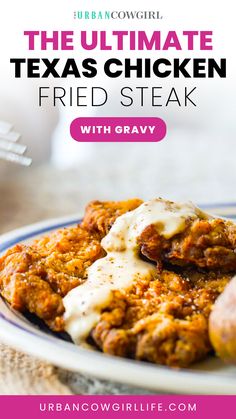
(118, 129)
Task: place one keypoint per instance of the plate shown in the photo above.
(208, 377)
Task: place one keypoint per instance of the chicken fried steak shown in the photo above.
(160, 317)
(35, 277)
(207, 244)
(164, 320)
(139, 280)
(204, 241)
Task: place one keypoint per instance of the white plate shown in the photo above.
(208, 377)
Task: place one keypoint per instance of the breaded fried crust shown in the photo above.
(99, 216)
(164, 321)
(36, 277)
(207, 244)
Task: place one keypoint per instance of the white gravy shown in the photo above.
(122, 265)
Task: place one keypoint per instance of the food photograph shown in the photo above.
(118, 208)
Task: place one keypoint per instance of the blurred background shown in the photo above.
(196, 160)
